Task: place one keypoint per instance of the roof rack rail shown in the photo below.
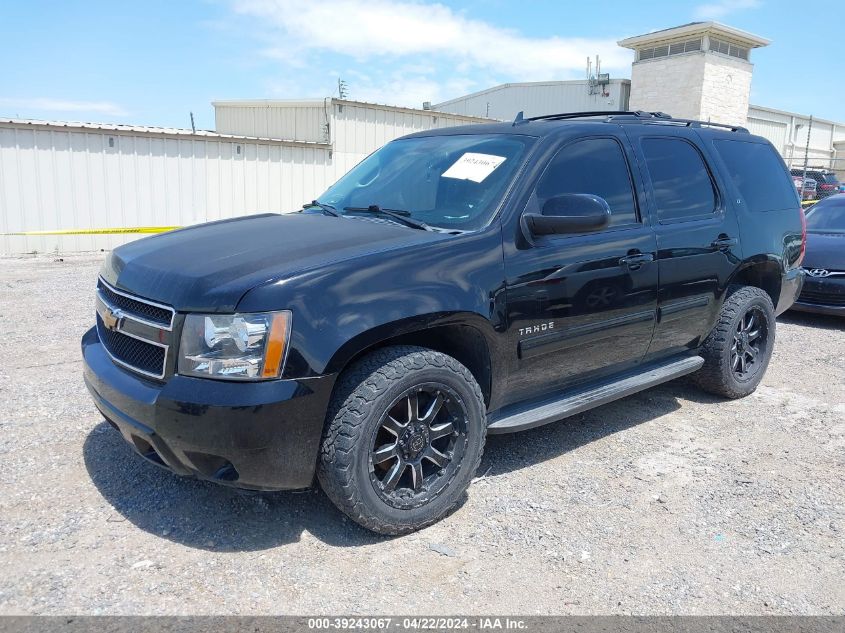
(608, 113)
(695, 123)
(633, 115)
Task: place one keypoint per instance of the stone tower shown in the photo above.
(698, 71)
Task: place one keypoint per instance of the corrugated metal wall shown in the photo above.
(539, 98)
(60, 177)
(355, 128)
(776, 131)
(300, 121)
(81, 179)
(788, 133)
(359, 129)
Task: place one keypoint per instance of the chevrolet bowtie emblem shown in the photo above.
(111, 318)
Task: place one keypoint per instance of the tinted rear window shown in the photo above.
(758, 173)
(680, 180)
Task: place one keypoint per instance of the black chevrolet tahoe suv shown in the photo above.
(457, 282)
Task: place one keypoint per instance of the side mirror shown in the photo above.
(569, 213)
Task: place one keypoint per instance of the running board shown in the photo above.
(521, 417)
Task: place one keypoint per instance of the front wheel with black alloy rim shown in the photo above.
(404, 436)
(737, 351)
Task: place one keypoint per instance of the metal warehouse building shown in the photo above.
(788, 132)
(542, 97)
(265, 156)
(92, 180)
(74, 176)
(700, 70)
(351, 130)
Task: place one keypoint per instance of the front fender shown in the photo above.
(412, 325)
(346, 306)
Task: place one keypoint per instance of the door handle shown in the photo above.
(635, 260)
(723, 242)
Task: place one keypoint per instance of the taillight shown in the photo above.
(825, 187)
(803, 238)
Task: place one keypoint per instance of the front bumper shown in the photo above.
(256, 435)
(822, 295)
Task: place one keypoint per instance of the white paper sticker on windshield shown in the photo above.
(475, 167)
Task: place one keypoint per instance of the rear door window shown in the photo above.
(683, 189)
(758, 173)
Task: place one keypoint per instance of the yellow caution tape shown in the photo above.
(114, 231)
(807, 203)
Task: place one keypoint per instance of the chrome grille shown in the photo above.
(132, 352)
(136, 307)
(136, 332)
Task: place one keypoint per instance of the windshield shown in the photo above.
(828, 215)
(450, 182)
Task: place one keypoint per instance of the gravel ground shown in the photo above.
(670, 501)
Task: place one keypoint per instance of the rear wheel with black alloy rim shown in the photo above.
(737, 351)
(404, 436)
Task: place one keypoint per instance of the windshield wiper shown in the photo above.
(399, 215)
(327, 209)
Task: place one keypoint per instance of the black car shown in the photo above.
(824, 263)
(827, 182)
(457, 282)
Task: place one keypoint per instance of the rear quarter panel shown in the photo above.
(771, 237)
(774, 233)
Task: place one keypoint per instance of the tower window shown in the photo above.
(726, 48)
(667, 50)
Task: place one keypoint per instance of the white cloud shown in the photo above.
(721, 8)
(405, 87)
(63, 105)
(366, 29)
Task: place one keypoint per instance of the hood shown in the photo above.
(825, 250)
(209, 267)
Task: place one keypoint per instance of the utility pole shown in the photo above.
(193, 127)
(806, 155)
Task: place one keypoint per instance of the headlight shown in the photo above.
(234, 346)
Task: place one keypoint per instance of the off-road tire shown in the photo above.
(361, 398)
(716, 376)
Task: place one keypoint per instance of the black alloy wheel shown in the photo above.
(417, 445)
(404, 435)
(749, 344)
(738, 349)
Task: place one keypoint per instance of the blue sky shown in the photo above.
(153, 62)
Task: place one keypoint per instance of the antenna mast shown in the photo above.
(591, 78)
(596, 83)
